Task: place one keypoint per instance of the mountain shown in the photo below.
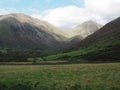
(84, 29)
(110, 32)
(20, 31)
(103, 45)
(81, 31)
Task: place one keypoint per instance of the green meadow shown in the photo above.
(104, 76)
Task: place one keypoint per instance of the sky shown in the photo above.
(64, 14)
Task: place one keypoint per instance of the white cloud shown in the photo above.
(37, 16)
(7, 11)
(108, 9)
(66, 17)
(69, 16)
(3, 11)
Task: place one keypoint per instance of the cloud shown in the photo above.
(70, 16)
(66, 17)
(37, 16)
(108, 9)
(3, 11)
(7, 10)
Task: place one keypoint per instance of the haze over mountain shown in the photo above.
(84, 29)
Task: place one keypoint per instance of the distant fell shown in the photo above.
(20, 31)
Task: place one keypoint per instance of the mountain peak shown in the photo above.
(89, 21)
(22, 31)
(85, 29)
(13, 17)
(109, 32)
(88, 24)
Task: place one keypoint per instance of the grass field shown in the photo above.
(60, 77)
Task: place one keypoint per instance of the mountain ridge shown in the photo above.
(23, 31)
(28, 31)
(113, 30)
(101, 46)
(85, 29)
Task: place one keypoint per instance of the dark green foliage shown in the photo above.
(20, 86)
(16, 86)
(10, 55)
(75, 87)
(88, 88)
(3, 86)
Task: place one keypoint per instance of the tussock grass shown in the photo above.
(61, 77)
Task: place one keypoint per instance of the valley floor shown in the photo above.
(104, 76)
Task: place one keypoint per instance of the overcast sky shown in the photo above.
(64, 14)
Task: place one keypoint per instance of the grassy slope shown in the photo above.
(103, 45)
(61, 77)
(103, 50)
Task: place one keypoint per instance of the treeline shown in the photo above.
(10, 55)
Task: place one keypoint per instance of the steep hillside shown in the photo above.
(20, 31)
(110, 32)
(103, 45)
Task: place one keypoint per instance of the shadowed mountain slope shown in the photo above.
(20, 31)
